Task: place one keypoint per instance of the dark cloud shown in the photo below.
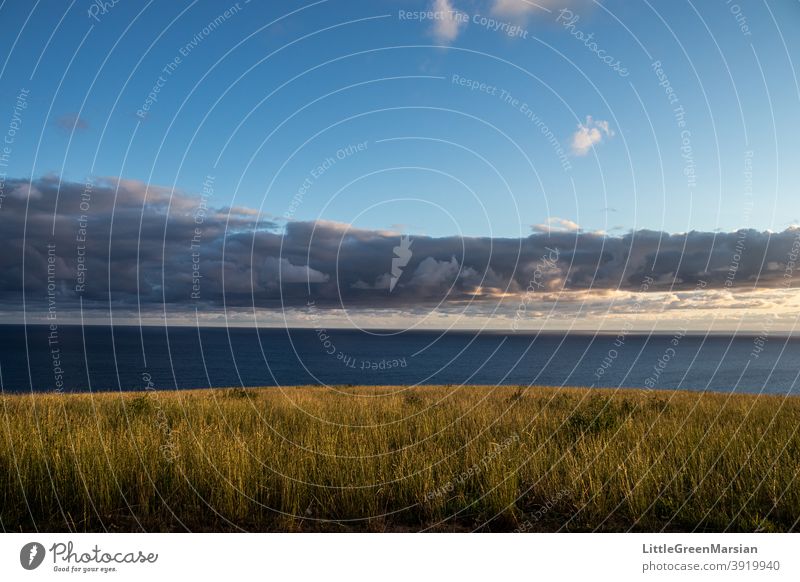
(147, 245)
(72, 122)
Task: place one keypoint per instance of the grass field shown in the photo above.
(398, 459)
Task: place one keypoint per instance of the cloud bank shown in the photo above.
(115, 243)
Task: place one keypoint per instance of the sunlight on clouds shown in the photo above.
(590, 134)
(516, 9)
(447, 27)
(555, 224)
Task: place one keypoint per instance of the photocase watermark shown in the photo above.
(66, 558)
(523, 107)
(568, 19)
(459, 18)
(433, 15)
(100, 8)
(747, 177)
(741, 238)
(507, 28)
(679, 113)
(739, 17)
(169, 69)
(81, 237)
(622, 335)
(32, 555)
(547, 265)
(671, 351)
(346, 359)
(736, 259)
(402, 255)
(168, 449)
(10, 136)
(317, 172)
(475, 85)
(474, 470)
(320, 170)
(528, 524)
(760, 341)
(52, 319)
(197, 235)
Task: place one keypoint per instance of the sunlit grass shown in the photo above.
(399, 459)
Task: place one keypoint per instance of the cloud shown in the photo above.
(281, 271)
(120, 244)
(589, 134)
(448, 22)
(511, 8)
(555, 224)
(434, 273)
(520, 9)
(72, 122)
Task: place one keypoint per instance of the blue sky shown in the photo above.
(268, 95)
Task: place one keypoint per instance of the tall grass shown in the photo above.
(399, 459)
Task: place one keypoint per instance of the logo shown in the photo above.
(31, 555)
(402, 255)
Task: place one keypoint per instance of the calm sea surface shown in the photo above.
(130, 358)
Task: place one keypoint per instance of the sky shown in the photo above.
(274, 155)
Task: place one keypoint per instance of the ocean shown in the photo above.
(101, 358)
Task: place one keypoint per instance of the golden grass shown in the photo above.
(399, 459)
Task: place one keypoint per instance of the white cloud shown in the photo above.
(519, 9)
(433, 272)
(589, 134)
(555, 224)
(449, 21)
